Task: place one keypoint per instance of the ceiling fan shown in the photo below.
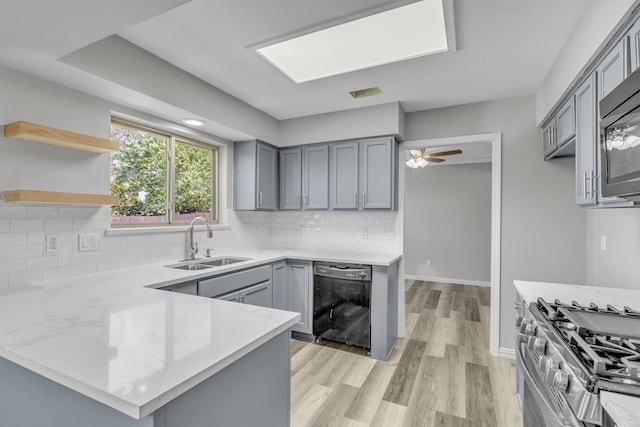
(420, 159)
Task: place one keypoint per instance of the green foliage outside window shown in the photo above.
(139, 177)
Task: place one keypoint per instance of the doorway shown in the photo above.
(469, 142)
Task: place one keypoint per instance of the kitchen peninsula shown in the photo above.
(107, 349)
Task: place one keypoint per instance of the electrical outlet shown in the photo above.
(603, 242)
(88, 242)
(51, 243)
(364, 233)
(389, 233)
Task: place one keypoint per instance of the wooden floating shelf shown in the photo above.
(62, 138)
(57, 198)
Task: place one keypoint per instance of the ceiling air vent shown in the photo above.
(365, 92)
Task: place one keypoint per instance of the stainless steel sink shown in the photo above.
(204, 263)
(190, 266)
(222, 261)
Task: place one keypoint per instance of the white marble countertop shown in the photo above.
(113, 338)
(583, 295)
(622, 409)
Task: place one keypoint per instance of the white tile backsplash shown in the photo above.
(23, 230)
(24, 225)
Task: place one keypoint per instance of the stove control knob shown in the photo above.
(523, 325)
(363, 275)
(542, 365)
(550, 375)
(540, 346)
(561, 380)
(530, 329)
(518, 321)
(530, 342)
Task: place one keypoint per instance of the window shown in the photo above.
(161, 178)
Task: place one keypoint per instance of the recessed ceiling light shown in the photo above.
(193, 122)
(398, 34)
(361, 93)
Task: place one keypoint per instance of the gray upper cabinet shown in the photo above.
(304, 177)
(364, 174)
(586, 142)
(565, 124)
(558, 134)
(315, 177)
(612, 69)
(634, 47)
(378, 173)
(548, 141)
(344, 175)
(255, 175)
(291, 179)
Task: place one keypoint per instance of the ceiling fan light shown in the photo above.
(421, 162)
(412, 163)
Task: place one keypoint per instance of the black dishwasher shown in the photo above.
(342, 303)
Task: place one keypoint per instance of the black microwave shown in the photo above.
(620, 140)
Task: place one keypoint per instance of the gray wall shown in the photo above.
(448, 220)
(614, 267)
(543, 232)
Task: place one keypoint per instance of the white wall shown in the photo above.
(113, 58)
(357, 123)
(543, 234)
(448, 221)
(597, 23)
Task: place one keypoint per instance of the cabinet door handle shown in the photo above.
(260, 198)
(355, 200)
(594, 183)
(298, 201)
(364, 199)
(586, 181)
(306, 200)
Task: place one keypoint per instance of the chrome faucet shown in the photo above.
(192, 247)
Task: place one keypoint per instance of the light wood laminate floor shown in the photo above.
(441, 374)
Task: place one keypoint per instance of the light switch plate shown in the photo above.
(88, 242)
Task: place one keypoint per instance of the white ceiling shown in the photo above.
(504, 48)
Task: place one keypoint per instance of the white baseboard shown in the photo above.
(507, 353)
(447, 280)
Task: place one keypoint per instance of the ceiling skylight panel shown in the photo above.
(406, 32)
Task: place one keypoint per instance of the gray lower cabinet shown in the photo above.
(291, 179)
(255, 175)
(586, 142)
(292, 285)
(255, 390)
(190, 288)
(364, 174)
(278, 274)
(251, 286)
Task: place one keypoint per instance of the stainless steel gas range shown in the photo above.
(568, 353)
